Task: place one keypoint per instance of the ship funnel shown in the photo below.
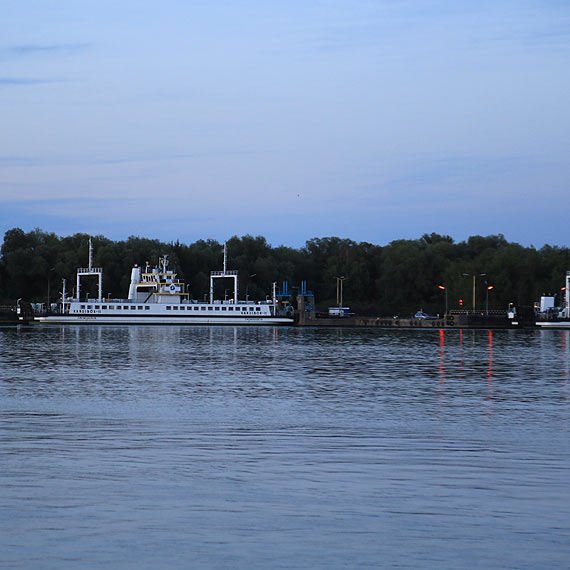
(135, 278)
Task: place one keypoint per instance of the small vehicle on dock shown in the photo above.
(421, 315)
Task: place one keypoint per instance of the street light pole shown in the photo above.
(474, 276)
(489, 287)
(247, 287)
(48, 285)
(444, 289)
(339, 299)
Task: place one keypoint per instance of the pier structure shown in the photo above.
(307, 316)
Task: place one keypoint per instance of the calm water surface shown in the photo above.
(204, 447)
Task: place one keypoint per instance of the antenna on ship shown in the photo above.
(225, 258)
(90, 255)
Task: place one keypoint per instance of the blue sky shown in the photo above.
(373, 120)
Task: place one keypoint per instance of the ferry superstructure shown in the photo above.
(157, 296)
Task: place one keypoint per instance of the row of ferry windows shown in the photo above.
(170, 308)
(125, 307)
(215, 308)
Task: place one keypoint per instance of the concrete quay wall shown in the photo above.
(457, 322)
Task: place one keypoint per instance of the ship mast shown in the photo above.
(83, 271)
(90, 254)
(224, 274)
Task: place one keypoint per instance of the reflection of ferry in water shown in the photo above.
(157, 297)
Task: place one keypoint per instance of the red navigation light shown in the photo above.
(461, 302)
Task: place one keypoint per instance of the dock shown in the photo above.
(8, 315)
(307, 316)
(471, 322)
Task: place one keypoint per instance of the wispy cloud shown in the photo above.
(160, 158)
(403, 28)
(448, 173)
(23, 81)
(8, 160)
(556, 37)
(24, 50)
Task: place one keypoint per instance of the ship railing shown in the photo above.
(222, 273)
(87, 270)
(490, 312)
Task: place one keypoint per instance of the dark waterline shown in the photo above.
(254, 447)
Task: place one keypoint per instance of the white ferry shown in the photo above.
(157, 296)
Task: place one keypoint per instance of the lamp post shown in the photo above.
(339, 299)
(48, 285)
(489, 287)
(444, 289)
(247, 287)
(474, 275)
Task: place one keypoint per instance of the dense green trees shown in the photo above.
(397, 278)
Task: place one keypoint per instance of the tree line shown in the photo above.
(397, 278)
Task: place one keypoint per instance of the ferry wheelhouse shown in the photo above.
(157, 296)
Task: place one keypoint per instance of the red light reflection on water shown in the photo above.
(441, 355)
(460, 373)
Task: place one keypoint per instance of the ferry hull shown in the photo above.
(160, 320)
